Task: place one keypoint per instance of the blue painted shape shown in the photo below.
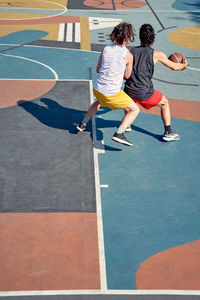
(152, 202)
(186, 5)
(20, 68)
(67, 63)
(23, 37)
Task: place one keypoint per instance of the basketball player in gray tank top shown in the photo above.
(139, 86)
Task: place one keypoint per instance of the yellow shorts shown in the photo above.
(116, 101)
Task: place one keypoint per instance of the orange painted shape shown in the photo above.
(182, 109)
(118, 4)
(41, 20)
(128, 4)
(13, 91)
(48, 251)
(175, 269)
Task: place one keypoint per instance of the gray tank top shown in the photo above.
(139, 85)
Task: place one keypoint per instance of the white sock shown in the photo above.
(121, 129)
(85, 120)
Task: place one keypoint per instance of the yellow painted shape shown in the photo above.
(52, 4)
(20, 16)
(52, 30)
(188, 37)
(85, 33)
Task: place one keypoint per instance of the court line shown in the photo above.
(47, 47)
(102, 263)
(34, 61)
(99, 292)
(63, 7)
(176, 83)
(61, 32)
(133, 10)
(193, 69)
(104, 185)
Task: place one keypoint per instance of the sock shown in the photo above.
(85, 120)
(168, 128)
(121, 129)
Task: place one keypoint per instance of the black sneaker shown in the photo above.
(81, 126)
(120, 138)
(171, 136)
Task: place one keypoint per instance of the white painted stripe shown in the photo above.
(57, 48)
(63, 7)
(101, 292)
(193, 69)
(104, 185)
(102, 262)
(34, 61)
(13, 45)
(69, 32)
(36, 79)
(61, 32)
(77, 33)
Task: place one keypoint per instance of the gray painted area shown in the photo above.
(106, 297)
(46, 166)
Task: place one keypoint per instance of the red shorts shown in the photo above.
(152, 101)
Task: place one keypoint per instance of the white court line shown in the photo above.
(35, 61)
(63, 7)
(69, 32)
(47, 47)
(100, 292)
(61, 32)
(77, 32)
(102, 261)
(193, 69)
(104, 185)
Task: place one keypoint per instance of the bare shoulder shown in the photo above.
(129, 56)
(159, 56)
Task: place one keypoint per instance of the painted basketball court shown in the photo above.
(83, 217)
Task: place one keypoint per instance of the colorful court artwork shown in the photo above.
(79, 213)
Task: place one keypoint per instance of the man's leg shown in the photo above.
(131, 113)
(169, 134)
(91, 112)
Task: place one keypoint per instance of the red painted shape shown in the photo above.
(116, 4)
(175, 269)
(13, 91)
(40, 20)
(49, 251)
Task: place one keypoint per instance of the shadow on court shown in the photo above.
(52, 114)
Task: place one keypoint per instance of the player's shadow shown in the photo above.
(101, 123)
(52, 114)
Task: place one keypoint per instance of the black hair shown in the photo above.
(122, 32)
(146, 35)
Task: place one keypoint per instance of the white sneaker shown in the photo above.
(171, 136)
(128, 129)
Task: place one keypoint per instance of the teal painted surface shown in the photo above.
(152, 202)
(23, 37)
(68, 64)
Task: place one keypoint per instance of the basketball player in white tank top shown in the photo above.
(114, 65)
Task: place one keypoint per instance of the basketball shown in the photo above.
(176, 57)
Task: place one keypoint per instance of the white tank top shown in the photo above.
(112, 69)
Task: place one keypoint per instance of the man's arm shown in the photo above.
(161, 56)
(129, 65)
(99, 63)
